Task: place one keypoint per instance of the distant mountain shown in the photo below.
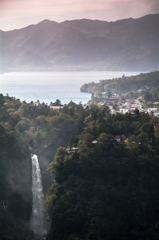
(129, 44)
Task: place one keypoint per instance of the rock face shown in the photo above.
(129, 44)
(15, 198)
(11, 229)
(18, 192)
(16, 204)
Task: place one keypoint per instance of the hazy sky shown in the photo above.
(20, 13)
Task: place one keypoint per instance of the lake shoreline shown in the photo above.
(49, 86)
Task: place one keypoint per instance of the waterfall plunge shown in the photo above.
(37, 220)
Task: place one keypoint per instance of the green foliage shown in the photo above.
(56, 103)
(148, 96)
(109, 93)
(21, 125)
(107, 189)
(102, 188)
(126, 84)
(156, 94)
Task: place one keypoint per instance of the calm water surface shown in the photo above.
(49, 86)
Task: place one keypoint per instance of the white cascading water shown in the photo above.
(37, 220)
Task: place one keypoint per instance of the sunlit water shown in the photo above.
(37, 219)
(49, 86)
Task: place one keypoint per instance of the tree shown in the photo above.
(137, 113)
(143, 138)
(1, 100)
(100, 96)
(148, 96)
(109, 93)
(57, 103)
(22, 126)
(86, 142)
(156, 94)
(132, 142)
(92, 97)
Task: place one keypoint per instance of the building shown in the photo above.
(56, 107)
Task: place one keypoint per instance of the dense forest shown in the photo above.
(23, 125)
(104, 171)
(124, 84)
(106, 188)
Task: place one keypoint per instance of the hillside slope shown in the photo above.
(124, 84)
(129, 44)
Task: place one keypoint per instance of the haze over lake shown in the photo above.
(49, 86)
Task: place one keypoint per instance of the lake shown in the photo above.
(49, 86)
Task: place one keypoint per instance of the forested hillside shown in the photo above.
(22, 125)
(105, 171)
(107, 187)
(124, 84)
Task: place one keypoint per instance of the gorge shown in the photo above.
(101, 189)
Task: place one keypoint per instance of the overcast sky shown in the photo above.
(15, 14)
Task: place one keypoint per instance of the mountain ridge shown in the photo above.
(127, 44)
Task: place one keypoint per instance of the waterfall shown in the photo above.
(5, 204)
(37, 220)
